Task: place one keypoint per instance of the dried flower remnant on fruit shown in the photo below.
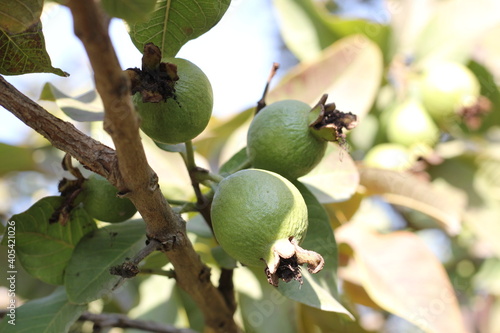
(329, 123)
(287, 259)
(156, 80)
(473, 115)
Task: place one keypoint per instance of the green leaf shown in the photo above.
(336, 177)
(175, 22)
(129, 10)
(50, 314)
(163, 307)
(263, 308)
(25, 52)
(44, 249)
(16, 159)
(223, 259)
(446, 206)
(318, 290)
(350, 71)
(235, 163)
(489, 89)
(469, 20)
(178, 148)
(87, 275)
(303, 31)
(18, 15)
(402, 275)
(86, 107)
(308, 27)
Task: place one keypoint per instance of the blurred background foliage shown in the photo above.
(418, 241)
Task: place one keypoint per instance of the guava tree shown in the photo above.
(360, 194)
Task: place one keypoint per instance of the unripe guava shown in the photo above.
(280, 140)
(100, 201)
(410, 124)
(446, 88)
(183, 116)
(392, 156)
(259, 218)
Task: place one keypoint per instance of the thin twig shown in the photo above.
(119, 320)
(262, 102)
(129, 268)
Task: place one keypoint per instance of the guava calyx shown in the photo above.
(327, 123)
(473, 115)
(156, 80)
(286, 260)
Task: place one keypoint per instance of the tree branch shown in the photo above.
(139, 180)
(127, 168)
(61, 134)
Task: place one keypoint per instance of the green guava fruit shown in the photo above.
(447, 87)
(186, 105)
(409, 124)
(290, 138)
(100, 201)
(392, 156)
(259, 218)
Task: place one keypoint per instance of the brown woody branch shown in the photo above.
(127, 168)
(139, 180)
(61, 134)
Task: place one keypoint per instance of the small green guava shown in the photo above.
(259, 218)
(447, 87)
(290, 138)
(99, 199)
(392, 156)
(409, 124)
(174, 99)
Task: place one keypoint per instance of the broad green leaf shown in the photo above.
(163, 307)
(219, 132)
(175, 22)
(489, 89)
(223, 259)
(318, 290)
(44, 249)
(405, 189)
(458, 169)
(311, 293)
(198, 226)
(85, 107)
(178, 148)
(263, 308)
(18, 15)
(349, 71)
(336, 177)
(235, 163)
(401, 274)
(315, 320)
(308, 27)
(469, 20)
(129, 10)
(50, 314)
(16, 159)
(25, 52)
(193, 312)
(303, 31)
(87, 275)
